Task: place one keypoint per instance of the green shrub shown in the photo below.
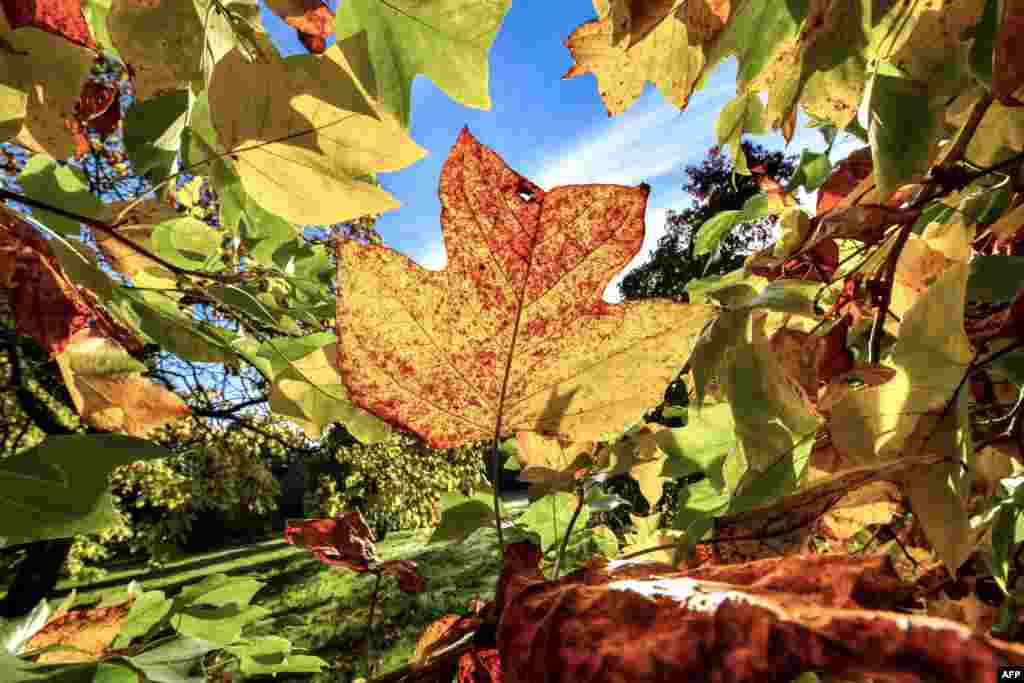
(397, 483)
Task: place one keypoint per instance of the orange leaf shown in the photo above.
(514, 331)
(114, 399)
(848, 174)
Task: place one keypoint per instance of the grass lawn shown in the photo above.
(324, 609)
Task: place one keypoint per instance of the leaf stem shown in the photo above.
(568, 530)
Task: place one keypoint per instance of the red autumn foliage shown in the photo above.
(47, 306)
(347, 541)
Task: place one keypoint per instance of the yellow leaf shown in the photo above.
(316, 134)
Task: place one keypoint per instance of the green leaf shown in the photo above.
(903, 130)
(171, 661)
(1006, 533)
(701, 445)
(445, 40)
(147, 610)
(219, 590)
(795, 297)
(63, 186)
(995, 279)
(272, 655)
(509, 452)
(461, 516)
(812, 171)
(696, 508)
(188, 243)
(984, 42)
(159, 319)
(713, 230)
(110, 672)
(152, 134)
(220, 625)
(549, 517)
(744, 114)
(59, 488)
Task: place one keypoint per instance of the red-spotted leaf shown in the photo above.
(62, 18)
(514, 331)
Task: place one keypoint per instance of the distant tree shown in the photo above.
(672, 265)
(714, 188)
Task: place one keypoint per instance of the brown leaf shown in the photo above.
(867, 223)
(62, 18)
(780, 618)
(848, 173)
(409, 578)
(1008, 56)
(516, 324)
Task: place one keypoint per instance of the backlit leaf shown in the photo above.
(41, 80)
(317, 133)
(109, 391)
(428, 350)
(445, 40)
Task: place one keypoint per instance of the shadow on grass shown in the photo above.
(310, 566)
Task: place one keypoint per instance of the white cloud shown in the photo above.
(431, 255)
(650, 140)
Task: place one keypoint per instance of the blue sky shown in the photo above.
(555, 132)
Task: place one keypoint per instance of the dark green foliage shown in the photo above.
(715, 189)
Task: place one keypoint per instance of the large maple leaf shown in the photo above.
(513, 334)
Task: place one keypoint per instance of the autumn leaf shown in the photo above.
(319, 133)
(346, 541)
(513, 332)
(769, 620)
(658, 51)
(109, 390)
(48, 306)
(41, 79)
